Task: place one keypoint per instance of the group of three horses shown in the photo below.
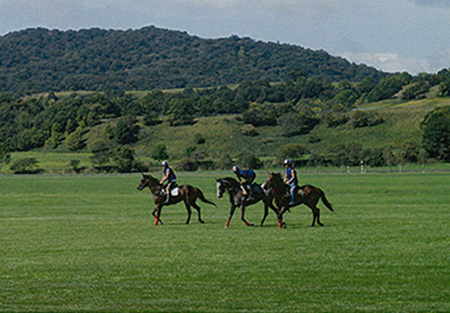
(274, 190)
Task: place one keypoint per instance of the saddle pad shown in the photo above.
(175, 192)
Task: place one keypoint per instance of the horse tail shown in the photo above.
(325, 200)
(201, 196)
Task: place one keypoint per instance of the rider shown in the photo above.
(170, 178)
(246, 178)
(291, 179)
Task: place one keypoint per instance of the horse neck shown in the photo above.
(230, 181)
(154, 185)
(231, 184)
(279, 187)
(155, 188)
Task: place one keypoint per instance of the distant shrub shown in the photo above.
(74, 165)
(25, 166)
(260, 115)
(436, 133)
(225, 162)
(159, 153)
(199, 139)
(250, 131)
(188, 165)
(248, 160)
(292, 151)
(365, 118)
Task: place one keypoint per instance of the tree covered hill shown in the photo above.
(39, 60)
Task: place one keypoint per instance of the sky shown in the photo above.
(390, 35)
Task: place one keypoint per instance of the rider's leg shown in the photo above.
(293, 189)
(250, 191)
(167, 195)
(168, 187)
(249, 188)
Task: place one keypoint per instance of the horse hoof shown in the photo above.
(284, 225)
(261, 225)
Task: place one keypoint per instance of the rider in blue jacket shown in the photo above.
(246, 178)
(291, 179)
(170, 178)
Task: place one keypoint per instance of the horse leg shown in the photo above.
(281, 224)
(243, 217)
(318, 216)
(233, 208)
(157, 210)
(266, 212)
(195, 205)
(189, 212)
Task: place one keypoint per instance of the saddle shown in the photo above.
(174, 190)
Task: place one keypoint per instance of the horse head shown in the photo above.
(220, 186)
(147, 181)
(225, 184)
(274, 180)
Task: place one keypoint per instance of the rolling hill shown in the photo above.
(40, 60)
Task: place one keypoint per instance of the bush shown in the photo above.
(126, 131)
(5, 155)
(260, 115)
(188, 165)
(125, 162)
(74, 165)
(159, 153)
(436, 133)
(225, 162)
(250, 161)
(249, 130)
(363, 119)
(199, 139)
(293, 151)
(25, 166)
(299, 123)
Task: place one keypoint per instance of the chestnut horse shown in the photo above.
(307, 194)
(186, 193)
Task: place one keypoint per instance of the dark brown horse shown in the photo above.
(237, 199)
(186, 193)
(307, 194)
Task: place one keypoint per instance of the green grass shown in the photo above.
(87, 243)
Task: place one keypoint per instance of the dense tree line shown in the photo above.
(42, 60)
(296, 106)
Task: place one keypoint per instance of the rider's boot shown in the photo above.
(250, 194)
(167, 198)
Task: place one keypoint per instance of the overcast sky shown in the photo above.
(392, 35)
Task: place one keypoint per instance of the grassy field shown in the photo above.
(87, 243)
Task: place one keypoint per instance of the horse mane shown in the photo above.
(276, 176)
(151, 178)
(230, 180)
(277, 180)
